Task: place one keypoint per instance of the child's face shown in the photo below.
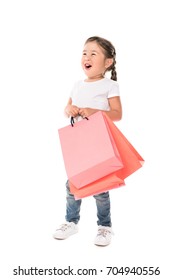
(94, 62)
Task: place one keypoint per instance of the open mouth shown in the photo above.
(87, 66)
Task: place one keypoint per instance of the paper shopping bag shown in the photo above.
(88, 151)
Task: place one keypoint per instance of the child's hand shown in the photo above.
(72, 110)
(86, 112)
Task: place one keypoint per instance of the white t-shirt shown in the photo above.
(94, 95)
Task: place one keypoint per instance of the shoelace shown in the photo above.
(64, 227)
(103, 232)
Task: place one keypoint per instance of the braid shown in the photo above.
(112, 68)
(113, 71)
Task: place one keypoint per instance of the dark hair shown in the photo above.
(109, 52)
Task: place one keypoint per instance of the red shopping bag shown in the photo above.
(88, 151)
(131, 159)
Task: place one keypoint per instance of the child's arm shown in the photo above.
(115, 112)
(71, 110)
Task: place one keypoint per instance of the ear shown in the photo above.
(108, 62)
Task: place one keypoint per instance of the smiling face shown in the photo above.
(94, 62)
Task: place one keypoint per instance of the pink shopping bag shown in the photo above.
(88, 151)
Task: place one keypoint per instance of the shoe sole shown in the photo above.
(101, 245)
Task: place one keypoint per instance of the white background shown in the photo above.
(40, 51)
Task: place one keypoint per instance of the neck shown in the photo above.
(95, 78)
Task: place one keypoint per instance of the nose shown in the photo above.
(86, 57)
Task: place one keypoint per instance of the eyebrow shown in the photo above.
(91, 51)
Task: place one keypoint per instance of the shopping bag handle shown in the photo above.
(73, 122)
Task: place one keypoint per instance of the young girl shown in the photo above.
(95, 93)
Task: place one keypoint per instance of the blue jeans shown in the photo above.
(102, 203)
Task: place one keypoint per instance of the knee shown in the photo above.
(102, 196)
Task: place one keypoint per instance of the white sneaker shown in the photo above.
(104, 236)
(65, 230)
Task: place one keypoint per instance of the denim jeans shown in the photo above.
(102, 203)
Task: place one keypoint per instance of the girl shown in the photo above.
(95, 93)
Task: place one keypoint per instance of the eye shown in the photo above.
(84, 53)
(93, 54)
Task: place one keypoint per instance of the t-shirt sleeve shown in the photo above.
(114, 90)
